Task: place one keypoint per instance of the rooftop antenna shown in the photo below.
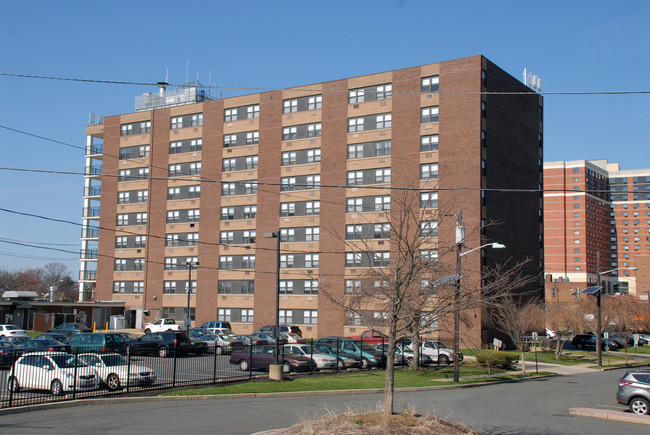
(187, 70)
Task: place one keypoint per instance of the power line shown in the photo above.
(42, 137)
(303, 89)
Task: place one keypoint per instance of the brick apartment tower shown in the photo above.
(592, 210)
(436, 127)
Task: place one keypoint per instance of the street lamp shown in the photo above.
(460, 242)
(598, 292)
(276, 235)
(190, 263)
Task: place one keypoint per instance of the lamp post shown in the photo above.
(460, 242)
(599, 291)
(276, 235)
(190, 263)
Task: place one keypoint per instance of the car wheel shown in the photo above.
(12, 385)
(219, 350)
(640, 406)
(113, 381)
(56, 387)
(364, 363)
(579, 346)
(147, 331)
(443, 359)
(286, 368)
(163, 351)
(340, 364)
(243, 365)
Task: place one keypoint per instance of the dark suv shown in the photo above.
(634, 391)
(582, 341)
(97, 342)
(163, 344)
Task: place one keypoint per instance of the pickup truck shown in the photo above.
(162, 325)
(370, 336)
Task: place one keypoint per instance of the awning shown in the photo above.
(23, 304)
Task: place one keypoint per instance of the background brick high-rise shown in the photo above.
(461, 129)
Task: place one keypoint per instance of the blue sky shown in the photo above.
(572, 45)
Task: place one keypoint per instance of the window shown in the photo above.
(384, 92)
(382, 203)
(122, 220)
(429, 254)
(353, 232)
(250, 236)
(429, 114)
(143, 195)
(195, 168)
(286, 261)
(311, 260)
(250, 188)
(229, 164)
(286, 287)
(429, 171)
(430, 84)
(248, 262)
(384, 121)
(382, 231)
(288, 183)
(312, 207)
(286, 316)
(356, 96)
(290, 106)
(352, 286)
(175, 170)
(310, 317)
(429, 200)
(287, 235)
(355, 151)
(313, 155)
(227, 237)
(140, 241)
(252, 137)
(253, 111)
(173, 216)
(352, 259)
(311, 286)
(120, 264)
(429, 228)
(429, 143)
(354, 204)
(314, 130)
(250, 212)
(225, 262)
(287, 209)
(381, 259)
(312, 234)
(197, 119)
(251, 162)
(288, 158)
(382, 148)
(355, 177)
(227, 189)
(355, 124)
(230, 115)
(382, 175)
(194, 191)
(122, 197)
(289, 133)
(171, 263)
(224, 314)
(229, 140)
(177, 122)
(315, 102)
(227, 213)
(313, 181)
(119, 287)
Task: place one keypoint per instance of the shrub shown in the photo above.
(496, 359)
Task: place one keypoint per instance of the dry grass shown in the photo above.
(350, 423)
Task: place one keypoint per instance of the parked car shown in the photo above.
(268, 337)
(368, 355)
(583, 341)
(270, 329)
(227, 343)
(371, 336)
(16, 341)
(11, 331)
(162, 344)
(8, 353)
(199, 347)
(439, 353)
(250, 340)
(322, 361)
(97, 342)
(162, 325)
(203, 335)
(288, 337)
(634, 391)
(263, 356)
(70, 328)
(53, 336)
(114, 371)
(55, 371)
(216, 324)
(45, 345)
(343, 360)
(219, 331)
(404, 354)
(129, 338)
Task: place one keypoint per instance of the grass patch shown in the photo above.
(359, 380)
(641, 350)
(32, 334)
(567, 359)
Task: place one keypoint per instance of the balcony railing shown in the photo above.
(94, 170)
(91, 212)
(94, 149)
(88, 275)
(89, 254)
(93, 191)
(89, 233)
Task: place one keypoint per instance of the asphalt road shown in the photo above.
(531, 407)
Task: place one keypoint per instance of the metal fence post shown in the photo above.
(250, 360)
(174, 375)
(214, 366)
(74, 382)
(337, 354)
(311, 355)
(12, 372)
(128, 367)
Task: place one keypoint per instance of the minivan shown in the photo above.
(216, 324)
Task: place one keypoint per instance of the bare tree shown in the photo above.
(397, 292)
(564, 319)
(57, 275)
(518, 316)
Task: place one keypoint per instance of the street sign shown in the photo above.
(606, 335)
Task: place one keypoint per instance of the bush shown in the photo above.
(497, 359)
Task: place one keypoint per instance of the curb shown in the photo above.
(111, 400)
(611, 415)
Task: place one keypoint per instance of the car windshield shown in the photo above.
(67, 361)
(11, 328)
(113, 360)
(129, 336)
